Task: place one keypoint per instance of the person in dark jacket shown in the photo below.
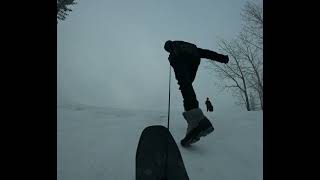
(185, 59)
(209, 105)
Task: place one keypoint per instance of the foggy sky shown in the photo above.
(110, 53)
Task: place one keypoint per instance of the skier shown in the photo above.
(185, 59)
(209, 105)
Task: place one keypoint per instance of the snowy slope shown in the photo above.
(100, 143)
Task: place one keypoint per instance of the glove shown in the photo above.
(226, 59)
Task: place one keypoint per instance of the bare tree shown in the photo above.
(252, 55)
(252, 16)
(251, 44)
(63, 9)
(233, 73)
(244, 72)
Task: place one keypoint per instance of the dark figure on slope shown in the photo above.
(209, 105)
(185, 59)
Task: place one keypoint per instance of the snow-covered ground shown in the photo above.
(97, 143)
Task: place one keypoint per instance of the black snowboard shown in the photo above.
(158, 156)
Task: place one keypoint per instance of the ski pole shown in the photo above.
(169, 96)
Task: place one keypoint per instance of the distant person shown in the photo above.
(185, 59)
(209, 105)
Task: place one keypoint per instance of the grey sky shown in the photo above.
(110, 53)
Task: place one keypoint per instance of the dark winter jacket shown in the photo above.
(181, 49)
(186, 50)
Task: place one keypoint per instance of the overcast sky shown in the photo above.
(110, 52)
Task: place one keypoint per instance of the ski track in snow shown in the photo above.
(100, 143)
